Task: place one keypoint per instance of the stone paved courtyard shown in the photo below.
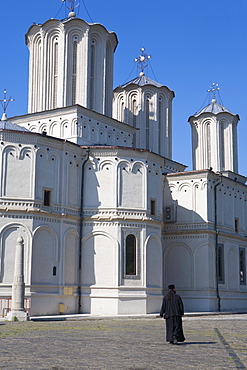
(212, 342)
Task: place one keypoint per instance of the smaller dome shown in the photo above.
(142, 80)
(214, 108)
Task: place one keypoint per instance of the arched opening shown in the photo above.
(74, 70)
(130, 263)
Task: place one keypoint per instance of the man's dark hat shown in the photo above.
(172, 286)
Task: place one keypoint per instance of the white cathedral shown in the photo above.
(107, 217)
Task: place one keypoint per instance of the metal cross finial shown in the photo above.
(5, 102)
(213, 89)
(142, 61)
(73, 4)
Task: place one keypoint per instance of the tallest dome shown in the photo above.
(69, 61)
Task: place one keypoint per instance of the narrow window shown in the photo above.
(74, 69)
(222, 139)
(208, 138)
(134, 113)
(108, 87)
(159, 126)
(220, 263)
(147, 124)
(47, 198)
(55, 74)
(91, 96)
(242, 269)
(122, 112)
(153, 207)
(54, 271)
(236, 225)
(130, 262)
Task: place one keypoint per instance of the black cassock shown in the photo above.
(172, 310)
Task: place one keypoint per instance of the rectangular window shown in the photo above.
(220, 263)
(242, 266)
(153, 207)
(236, 225)
(47, 198)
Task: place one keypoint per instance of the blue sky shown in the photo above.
(193, 43)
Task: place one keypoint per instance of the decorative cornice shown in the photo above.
(178, 236)
(127, 224)
(17, 209)
(193, 231)
(121, 216)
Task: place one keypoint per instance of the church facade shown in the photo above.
(107, 217)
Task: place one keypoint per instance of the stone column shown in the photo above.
(18, 286)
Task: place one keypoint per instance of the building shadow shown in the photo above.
(189, 343)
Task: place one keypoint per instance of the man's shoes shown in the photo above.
(174, 339)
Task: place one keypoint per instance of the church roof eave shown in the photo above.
(112, 33)
(141, 81)
(6, 125)
(214, 109)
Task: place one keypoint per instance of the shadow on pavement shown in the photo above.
(186, 343)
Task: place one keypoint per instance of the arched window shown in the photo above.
(222, 145)
(74, 69)
(242, 266)
(147, 123)
(220, 263)
(208, 138)
(108, 80)
(55, 75)
(92, 75)
(134, 114)
(160, 114)
(130, 256)
(122, 111)
(37, 75)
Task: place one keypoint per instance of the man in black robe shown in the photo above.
(172, 310)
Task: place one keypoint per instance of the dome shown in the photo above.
(214, 108)
(5, 124)
(142, 81)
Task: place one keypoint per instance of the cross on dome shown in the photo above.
(142, 61)
(213, 89)
(5, 102)
(73, 4)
